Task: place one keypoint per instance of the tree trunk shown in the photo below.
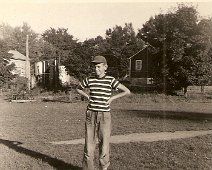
(185, 92)
(202, 89)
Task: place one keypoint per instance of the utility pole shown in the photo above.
(27, 64)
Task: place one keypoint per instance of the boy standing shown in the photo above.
(98, 117)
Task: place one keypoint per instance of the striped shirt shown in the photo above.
(100, 91)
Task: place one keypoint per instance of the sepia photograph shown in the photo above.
(105, 85)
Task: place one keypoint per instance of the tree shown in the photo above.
(121, 44)
(205, 27)
(78, 64)
(62, 41)
(5, 67)
(179, 40)
(15, 39)
(58, 45)
(74, 56)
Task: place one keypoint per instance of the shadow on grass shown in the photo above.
(160, 114)
(56, 163)
(56, 100)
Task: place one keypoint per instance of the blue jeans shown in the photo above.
(97, 126)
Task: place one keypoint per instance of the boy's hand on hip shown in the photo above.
(110, 100)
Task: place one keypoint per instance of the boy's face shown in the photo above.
(100, 69)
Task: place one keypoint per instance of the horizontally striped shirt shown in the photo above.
(100, 91)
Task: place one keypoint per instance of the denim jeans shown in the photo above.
(97, 127)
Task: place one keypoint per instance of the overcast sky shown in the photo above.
(86, 19)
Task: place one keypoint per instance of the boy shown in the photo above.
(98, 117)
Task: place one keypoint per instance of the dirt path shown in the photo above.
(143, 137)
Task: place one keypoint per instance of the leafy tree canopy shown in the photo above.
(121, 44)
(183, 44)
(15, 39)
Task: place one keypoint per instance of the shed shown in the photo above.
(141, 66)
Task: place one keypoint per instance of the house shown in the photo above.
(49, 74)
(22, 65)
(141, 67)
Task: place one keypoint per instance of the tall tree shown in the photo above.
(205, 27)
(78, 64)
(122, 43)
(74, 56)
(13, 39)
(62, 41)
(180, 59)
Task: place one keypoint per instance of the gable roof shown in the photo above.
(145, 46)
(17, 55)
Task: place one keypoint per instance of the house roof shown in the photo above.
(145, 46)
(17, 55)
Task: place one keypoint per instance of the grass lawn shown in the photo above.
(27, 128)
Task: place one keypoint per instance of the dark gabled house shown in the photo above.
(141, 67)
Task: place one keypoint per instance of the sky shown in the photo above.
(87, 19)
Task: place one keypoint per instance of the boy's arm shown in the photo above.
(81, 92)
(125, 91)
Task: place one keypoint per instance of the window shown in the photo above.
(138, 65)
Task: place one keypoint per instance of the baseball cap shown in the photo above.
(99, 59)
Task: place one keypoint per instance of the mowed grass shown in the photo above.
(26, 130)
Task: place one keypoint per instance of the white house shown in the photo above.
(22, 65)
